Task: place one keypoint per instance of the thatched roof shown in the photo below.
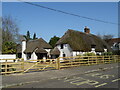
(80, 41)
(40, 50)
(19, 48)
(32, 45)
(55, 51)
(38, 43)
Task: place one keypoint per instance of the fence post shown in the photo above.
(6, 66)
(118, 58)
(109, 59)
(112, 58)
(88, 61)
(22, 65)
(103, 59)
(58, 63)
(115, 59)
(96, 59)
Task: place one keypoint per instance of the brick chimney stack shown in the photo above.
(86, 30)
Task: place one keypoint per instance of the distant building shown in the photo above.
(74, 43)
(114, 43)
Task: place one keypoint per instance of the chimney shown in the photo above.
(23, 49)
(86, 30)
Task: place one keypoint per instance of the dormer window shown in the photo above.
(104, 46)
(93, 47)
(28, 56)
(61, 46)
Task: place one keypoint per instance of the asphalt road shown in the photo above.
(97, 76)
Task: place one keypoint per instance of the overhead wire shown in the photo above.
(60, 11)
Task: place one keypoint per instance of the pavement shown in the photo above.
(94, 76)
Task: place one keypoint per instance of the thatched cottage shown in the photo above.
(74, 43)
(34, 49)
(114, 43)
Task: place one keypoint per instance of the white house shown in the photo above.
(74, 43)
(114, 43)
(34, 49)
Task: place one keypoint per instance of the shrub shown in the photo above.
(117, 52)
(107, 53)
(89, 54)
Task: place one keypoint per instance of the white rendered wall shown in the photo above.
(48, 50)
(93, 50)
(23, 49)
(33, 56)
(66, 50)
(105, 50)
(75, 53)
(7, 56)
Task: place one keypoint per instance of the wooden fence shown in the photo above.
(21, 66)
(11, 66)
(64, 62)
(39, 65)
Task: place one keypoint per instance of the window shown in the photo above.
(65, 45)
(61, 46)
(28, 55)
(19, 55)
(64, 55)
(117, 45)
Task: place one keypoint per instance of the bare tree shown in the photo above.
(10, 35)
(109, 36)
(10, 29)
(106, 37)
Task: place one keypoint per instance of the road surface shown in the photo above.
(96, 76)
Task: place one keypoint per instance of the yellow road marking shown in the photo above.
(84, 81)
(92, 82)
(73, 79)
(100, 75)
(79, 83)
(96, 74)
(112, 67)
(101, 85)
(89, 82)
(106, 76)
(115, 80)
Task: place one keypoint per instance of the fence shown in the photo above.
(21, 66)
(65, 62)
(11, 65)
(39, 65)
(7, 56)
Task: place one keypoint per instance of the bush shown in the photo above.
(117, 52)
(89, 54)
(107, 53)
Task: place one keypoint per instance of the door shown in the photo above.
(41, 55)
